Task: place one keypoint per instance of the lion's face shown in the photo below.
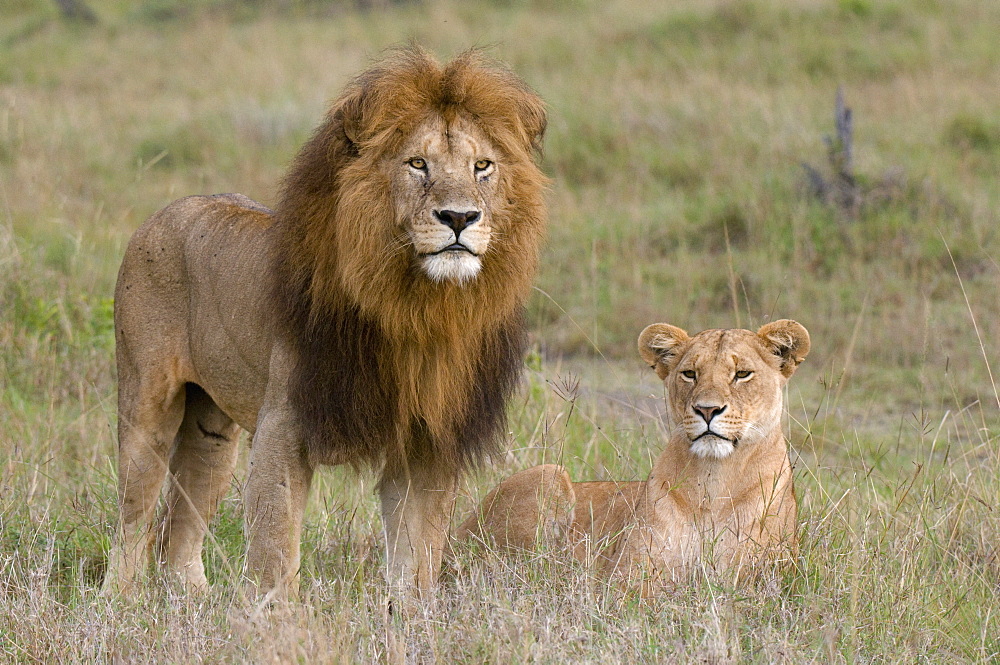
(724, 386)
(444, 186)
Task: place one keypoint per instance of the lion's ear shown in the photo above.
(788, 340)
(659, 345)
(531, 112)
(349, 114)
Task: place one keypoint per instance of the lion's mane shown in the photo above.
(386, 358)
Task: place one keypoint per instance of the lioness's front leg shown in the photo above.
(276, 492)
(417, 501)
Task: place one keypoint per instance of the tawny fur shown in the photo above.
(719, 495)
(321, 329)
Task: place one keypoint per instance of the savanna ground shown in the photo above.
(676, 141)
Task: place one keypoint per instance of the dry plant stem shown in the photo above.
(975, 324)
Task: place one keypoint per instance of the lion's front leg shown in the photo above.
(417, 502)
(275, 500)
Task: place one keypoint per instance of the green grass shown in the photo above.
(676, 138)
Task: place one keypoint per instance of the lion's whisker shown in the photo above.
(399, 244)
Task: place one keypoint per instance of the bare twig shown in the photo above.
(841, 189)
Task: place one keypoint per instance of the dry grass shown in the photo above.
(675, 142)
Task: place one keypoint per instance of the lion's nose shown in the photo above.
(457, 221)
(708, 411)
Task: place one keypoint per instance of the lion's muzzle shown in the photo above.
(457, 258)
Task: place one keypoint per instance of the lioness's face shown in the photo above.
(724, 386)
(723, 393)
(444, 181)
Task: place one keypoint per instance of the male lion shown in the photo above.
(374, 318)
(720, 492)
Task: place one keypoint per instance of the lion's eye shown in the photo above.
(483, 164)
(418, 163)
(743, 374)
(689, 374)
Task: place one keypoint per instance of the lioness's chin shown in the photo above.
(459, 267)
(713, 447)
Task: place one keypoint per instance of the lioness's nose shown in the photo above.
(708, 411)
(457, 221)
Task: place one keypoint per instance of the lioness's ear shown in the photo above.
(659, 345)
(788, 340)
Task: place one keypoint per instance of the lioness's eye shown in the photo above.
(743, 374)
(418, 163)
(483, 164)
(689, 374)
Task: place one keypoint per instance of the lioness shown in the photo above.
(374, 318)
(721, 491)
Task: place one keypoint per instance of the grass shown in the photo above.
(676, 138)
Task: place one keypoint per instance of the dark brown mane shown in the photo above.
(386, 358)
